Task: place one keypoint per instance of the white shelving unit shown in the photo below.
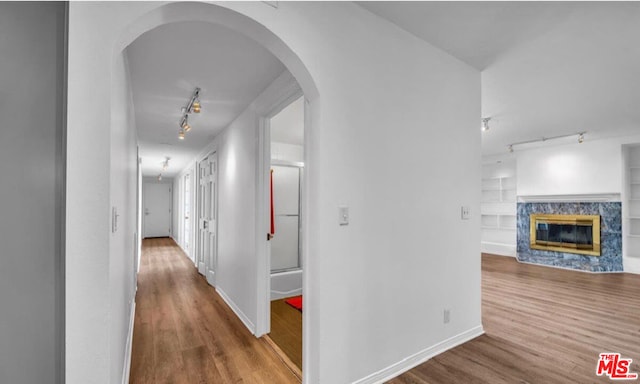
(632, 219)
(498, 209)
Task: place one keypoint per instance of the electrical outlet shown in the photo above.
(447, 316)
(465, 212)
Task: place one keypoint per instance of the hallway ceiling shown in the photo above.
(547, 68)
(167, 63)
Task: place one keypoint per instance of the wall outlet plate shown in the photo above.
(465, 212)
(343, 215)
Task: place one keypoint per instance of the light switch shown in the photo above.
(114, 219)
(343, 215)
(466, 212)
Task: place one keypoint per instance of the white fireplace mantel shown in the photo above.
(600, 197)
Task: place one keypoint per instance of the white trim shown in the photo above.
(129, 345)
(418, 358)
(279, 94)
(631, 265)
(244, 318)
(201, 268)
(500, 249)
(597, 197)
(277, 295)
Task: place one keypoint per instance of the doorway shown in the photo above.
(207, 217)
(186, 227)
(286, 131)
(157, 209)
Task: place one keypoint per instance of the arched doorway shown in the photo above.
(186, 12)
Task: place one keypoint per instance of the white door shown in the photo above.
(186, 235)
(207, 215)
(157, 210)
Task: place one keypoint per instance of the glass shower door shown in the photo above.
(285, 245)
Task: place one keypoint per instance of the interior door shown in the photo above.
(187, 216)
(157, 210)
(207, 215)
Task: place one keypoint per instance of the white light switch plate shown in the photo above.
(343, 215)
(466, 212)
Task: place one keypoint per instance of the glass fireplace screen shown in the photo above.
(566, 233)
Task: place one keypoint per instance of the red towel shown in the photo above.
(273, 221)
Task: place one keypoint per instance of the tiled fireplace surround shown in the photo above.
(611, 236)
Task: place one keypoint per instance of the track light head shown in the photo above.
(196, 106)
(511, 148)
(581, 138)
(181, 134)
(160, 177)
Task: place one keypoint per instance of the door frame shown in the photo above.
(289, 93)
(184, 184)
(201, 263)
(148, 181)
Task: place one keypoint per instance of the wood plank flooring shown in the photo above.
(543, 325)
(185, 333)
(286, 330)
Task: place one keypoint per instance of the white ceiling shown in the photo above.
(548, 68)
(288, 125)
(167, 63)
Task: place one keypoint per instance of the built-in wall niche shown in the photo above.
(632, 243)
(498, 208)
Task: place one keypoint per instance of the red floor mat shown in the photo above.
(295, 302)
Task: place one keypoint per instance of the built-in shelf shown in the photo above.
(498, 209)
(631, 226)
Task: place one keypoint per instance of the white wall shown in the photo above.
(287, 152)
(237, 160)
(590, 168)
(123, 246)
(390, 109)
(31, 192)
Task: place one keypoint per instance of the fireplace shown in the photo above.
(565, 233)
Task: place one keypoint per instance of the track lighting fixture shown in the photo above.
(184, 123)
(485, 123)
(165, 164)
(160, 177)
(193, 106)
(579, 134)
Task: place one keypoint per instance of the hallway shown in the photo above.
(185, 333)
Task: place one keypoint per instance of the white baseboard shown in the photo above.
(498, 248)
(418, 358)
(277, 295)
(631, 265)
(129, 345)
(245, 320)
(202, 269)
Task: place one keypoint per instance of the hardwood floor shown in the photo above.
(185, 333)
(543, 325)
(286, 330)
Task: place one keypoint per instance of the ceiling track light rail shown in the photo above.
(543, 139)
